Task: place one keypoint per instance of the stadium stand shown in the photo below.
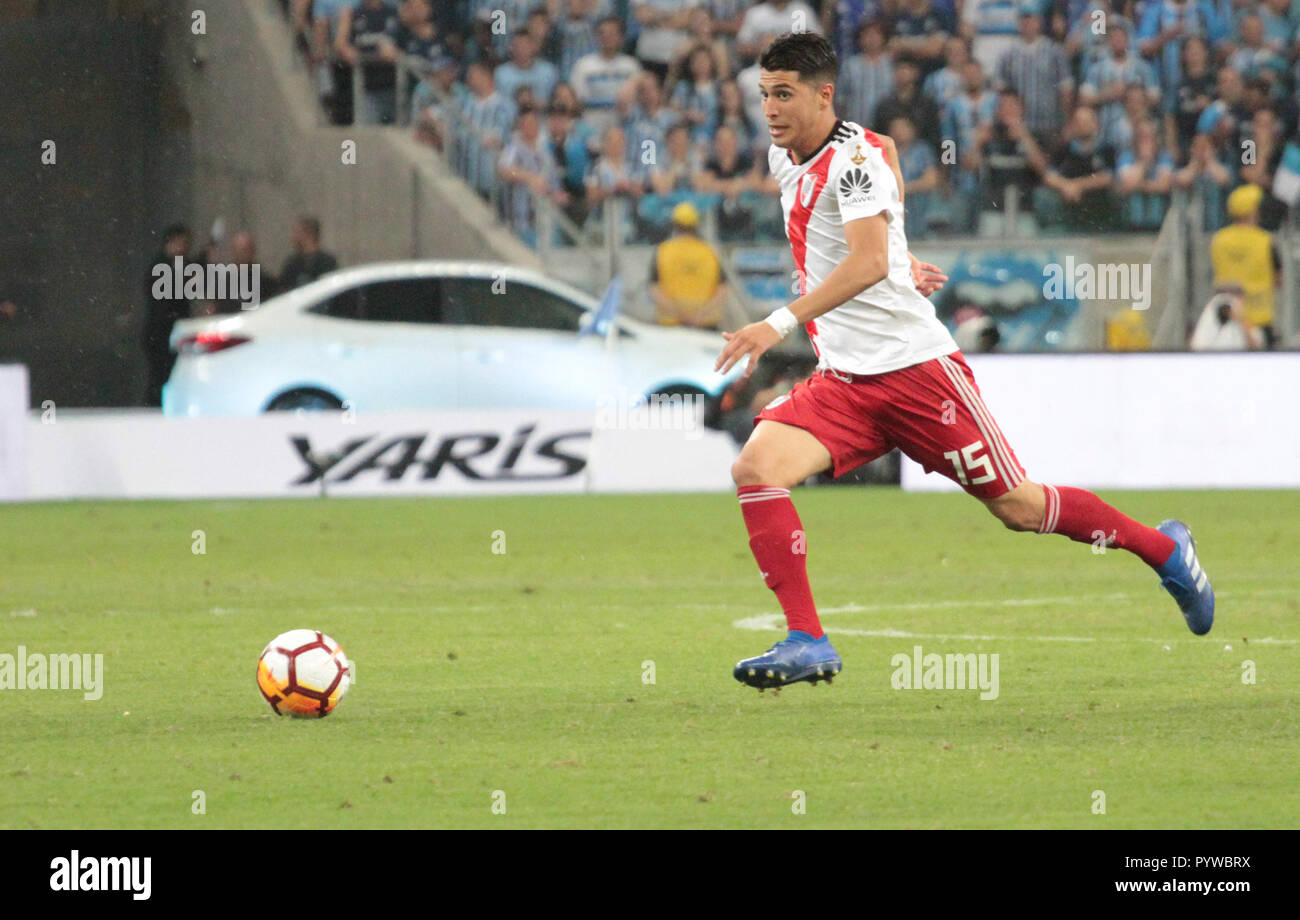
(1042, 119)
(1056, 56)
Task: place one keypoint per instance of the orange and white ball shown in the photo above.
(303, 673)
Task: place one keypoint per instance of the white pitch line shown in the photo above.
(775, 622)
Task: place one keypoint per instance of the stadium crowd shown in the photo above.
(1035, 116)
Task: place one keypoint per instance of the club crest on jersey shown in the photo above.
(858, 157)
(807, 185)
(855, 185)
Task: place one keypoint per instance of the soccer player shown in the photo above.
(888, 374)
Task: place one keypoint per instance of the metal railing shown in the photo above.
(1287, 309)
(1169, 261)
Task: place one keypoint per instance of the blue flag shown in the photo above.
(610, 302)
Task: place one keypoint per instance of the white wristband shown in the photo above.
(783, 321)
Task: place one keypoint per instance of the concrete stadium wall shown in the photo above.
(77, 236)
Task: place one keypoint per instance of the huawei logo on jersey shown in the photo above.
(855, 185)
(807, 185)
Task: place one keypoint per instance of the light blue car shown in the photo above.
(434, 335)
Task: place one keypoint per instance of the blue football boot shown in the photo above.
(796, 657)
(1183, 577)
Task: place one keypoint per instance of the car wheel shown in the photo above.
(305, 400)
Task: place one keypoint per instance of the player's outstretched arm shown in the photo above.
(866, 264)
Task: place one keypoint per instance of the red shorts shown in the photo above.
(931, 411)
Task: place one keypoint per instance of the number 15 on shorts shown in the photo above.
(970, 459)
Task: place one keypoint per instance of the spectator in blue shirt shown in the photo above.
(568, 150)
(1193, 96)
(647, 119)
(363, 36)
(577, 34)
(920, 171)
(867, 76)
(1254, 58)
(841, 22)
(920, 31)
(696, 96)
(490, 116)
(415, 35)
(701, 33)
(527, 173)
(731, 112)
(615, 174)
(945, 84)
(964, 120)
(546, 37)
(1279, 26)
(1227, 113)
(908, 100)
(1085, 40)
(525, 69)
(1210, 171)
(1137, 108)
(497, 13)
(675, 167)
(565, 97)
(1165, 26)
(438, 103)
(1145, 175)
(1079, 178)
(1107, 81)
(598, 78)
(1037, 70)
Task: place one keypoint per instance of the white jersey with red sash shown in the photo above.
(889, 325)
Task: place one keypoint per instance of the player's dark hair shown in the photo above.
(806, 53)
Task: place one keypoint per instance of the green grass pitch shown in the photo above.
(526, 673)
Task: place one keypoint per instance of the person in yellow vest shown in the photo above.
(687, 283)
(1127, 331)
(1243, 253)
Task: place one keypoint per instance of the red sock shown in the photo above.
(1082, 516)
(777, 540)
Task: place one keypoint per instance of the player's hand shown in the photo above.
(927, 278)
(751, 340)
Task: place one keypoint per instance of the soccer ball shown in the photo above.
(303, 673)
